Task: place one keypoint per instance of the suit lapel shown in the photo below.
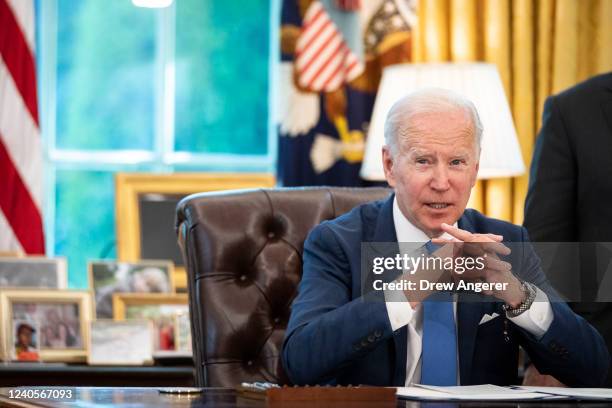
(384, 231)
(469, 313)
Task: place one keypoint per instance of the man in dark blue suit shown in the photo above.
(570, 188)
(340, 333)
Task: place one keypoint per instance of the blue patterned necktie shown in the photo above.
(439, 355)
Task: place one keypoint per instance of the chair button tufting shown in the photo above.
(276, 320)
(243, 278)
(250, 363)
(271, 235)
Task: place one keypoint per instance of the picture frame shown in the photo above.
(140, 196)
(182, 333)
(62, 315)
(127, 342)
(33, 272)
(107, 277)
(159, 308)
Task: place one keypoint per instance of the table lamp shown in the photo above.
(480, 83)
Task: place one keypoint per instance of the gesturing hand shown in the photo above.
(488, 247)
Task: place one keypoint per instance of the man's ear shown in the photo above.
(387, 159)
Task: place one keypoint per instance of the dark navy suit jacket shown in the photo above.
(570, 186)
(334, 336)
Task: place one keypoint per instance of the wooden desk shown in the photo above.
(228, 398)
(26, 374)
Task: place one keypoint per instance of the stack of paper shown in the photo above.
(486, 392)
(574, 393)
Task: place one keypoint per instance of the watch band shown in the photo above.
(530, 295)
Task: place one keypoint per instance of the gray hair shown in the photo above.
(428, 100)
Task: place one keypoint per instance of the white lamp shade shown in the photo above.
(480, 83)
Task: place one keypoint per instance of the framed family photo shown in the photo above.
(58, 318)
(160, 309)
(128, 342)
(33, 272)
(109, 277)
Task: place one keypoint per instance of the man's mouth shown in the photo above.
(438, 206)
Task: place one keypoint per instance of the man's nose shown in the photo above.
(440, 180)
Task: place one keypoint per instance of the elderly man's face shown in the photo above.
(434, 169)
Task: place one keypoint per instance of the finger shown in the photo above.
(457, 247)
(472, 271)
(456, 232)
(441, 240)
(444, 240)
(455, 244)
(496, 247)
(495, 237)
(480, 248)
(485, 238)
(474, 249)
(497, 264)
(469, 274)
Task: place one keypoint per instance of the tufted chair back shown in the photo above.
(243, 254)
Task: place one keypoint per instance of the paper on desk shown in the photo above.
(578, 393)
(486, 392)
(474, 389)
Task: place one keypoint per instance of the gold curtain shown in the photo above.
(539, 46)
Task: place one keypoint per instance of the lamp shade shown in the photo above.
(480, 83)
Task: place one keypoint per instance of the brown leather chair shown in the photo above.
(243, 253)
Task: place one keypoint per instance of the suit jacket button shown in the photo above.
(378, 334)
(371, 338)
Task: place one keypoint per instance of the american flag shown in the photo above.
(21, 186)
(323, 62)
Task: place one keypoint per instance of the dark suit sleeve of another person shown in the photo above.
(330, 326)
(570, 188)
(551, 200)
(571, 349)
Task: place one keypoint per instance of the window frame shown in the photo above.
(162, 158)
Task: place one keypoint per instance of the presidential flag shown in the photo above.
(332, 56)
(21, 186)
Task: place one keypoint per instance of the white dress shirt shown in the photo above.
(536, 320)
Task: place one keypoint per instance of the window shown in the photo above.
(218, 90)
(123, 88)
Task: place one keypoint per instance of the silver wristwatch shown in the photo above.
(530, 294)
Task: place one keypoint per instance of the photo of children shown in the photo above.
(59, 323)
